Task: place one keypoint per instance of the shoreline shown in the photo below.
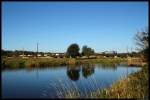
(17, 62)
(133, 86)
(43, 62)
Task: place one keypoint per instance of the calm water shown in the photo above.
(48, 82)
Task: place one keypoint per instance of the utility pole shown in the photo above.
(37, 57)
(127, 51)
(23, 53)
(37, 51)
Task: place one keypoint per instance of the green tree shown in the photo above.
(142, 42)
(73, 50)
(87, 51)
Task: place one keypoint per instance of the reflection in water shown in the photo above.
(108, 67)
(73, 73)
(51, 82)
(87, 70)
(37, 73)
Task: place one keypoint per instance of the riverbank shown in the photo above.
(135, 86)
(45, 62)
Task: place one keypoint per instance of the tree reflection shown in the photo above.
(109, 66)
(73, 73)
(87, 70)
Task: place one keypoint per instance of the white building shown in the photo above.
(39, 55)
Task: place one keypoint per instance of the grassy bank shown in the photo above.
(105, 61)
(45, 62)
(32, 62)
(135, 86)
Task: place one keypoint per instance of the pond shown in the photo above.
(52, 82)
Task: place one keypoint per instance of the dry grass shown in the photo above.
(135, 86)
(46, 62)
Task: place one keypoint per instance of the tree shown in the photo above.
(73, 50)
(142, 39)
(87, 51)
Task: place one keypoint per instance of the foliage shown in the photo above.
(16, 53)
(142, 42)
(87, 51)
(73, 50)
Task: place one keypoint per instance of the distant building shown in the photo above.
(57, 54)
(39, 55)
(21, 55)
(109, 52)
(29, 55)
(99, 53)
(115, 56)
(45, 55)
(104, 56)
(61, 55)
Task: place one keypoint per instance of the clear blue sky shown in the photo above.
(55, 25)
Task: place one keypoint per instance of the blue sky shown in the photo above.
(55, 25)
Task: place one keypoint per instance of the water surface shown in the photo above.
(50, 82)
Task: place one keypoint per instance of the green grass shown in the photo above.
(105, 61)
(47, 62)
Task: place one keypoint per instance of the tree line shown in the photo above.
(141, 38)
(16, 53)
(142, 43)
(73, 51)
